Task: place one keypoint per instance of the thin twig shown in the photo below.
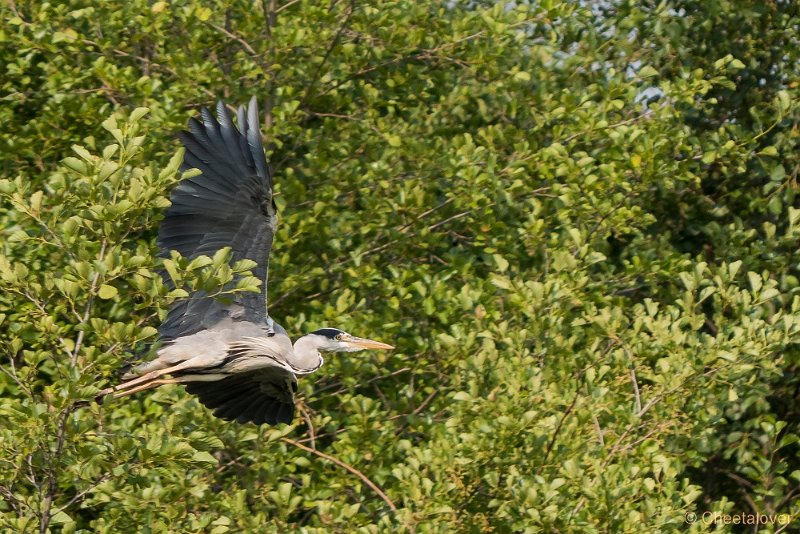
(425, 403)
(9, 497)
(13, 375)
(423, 54)
(78, 342)
(318, 72)
(788, 498)
(236, 38)
(324, 435)
(44, 313)
(449, 219)
(557, 431)
(634, 381)
(309, 424)
(416, 410)
(746, 496)
(270, 20)
(52, 475)
(352, 118)
(83, 492)
(350, 468)
(286, 6)
(424, 214)
(609, 127)
(360, 384)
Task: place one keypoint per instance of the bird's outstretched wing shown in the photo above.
(262, 396)
(229, 204)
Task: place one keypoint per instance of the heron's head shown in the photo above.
(335, 340)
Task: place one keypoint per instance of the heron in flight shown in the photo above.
(233, 356)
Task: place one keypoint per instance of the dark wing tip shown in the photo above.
(260, 411)
(252, 110)
(241, 399)
(253, 133)
(222, 111)
(228, 204)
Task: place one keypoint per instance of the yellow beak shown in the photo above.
(363, 343)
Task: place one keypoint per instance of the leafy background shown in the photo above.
(578, 222)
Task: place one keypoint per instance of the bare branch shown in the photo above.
(286, 6)
(52, 473)
(745, 495)
(79, 342)
(449, 219)
(307, 418)
(360, 384)
(315, 78)
(83, 492)
(557, 431)
(245, 44)
(636, 395)
(9, 497)
(425, 403)
(423, 54)
(13, 375)
(350, 468)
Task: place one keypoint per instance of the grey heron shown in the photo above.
(233, 356)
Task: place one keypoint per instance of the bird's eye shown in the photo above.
(338, 337)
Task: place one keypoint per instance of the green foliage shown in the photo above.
(578, 224)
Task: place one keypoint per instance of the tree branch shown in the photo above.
(79, 342)
(350, 468)
(52, 474)
(315, 78)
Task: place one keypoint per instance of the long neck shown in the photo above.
(306, 357)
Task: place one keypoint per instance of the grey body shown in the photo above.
(232, 355)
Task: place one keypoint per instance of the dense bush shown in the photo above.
(577, 222)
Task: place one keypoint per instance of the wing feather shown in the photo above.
(263, 395)
(229, 204)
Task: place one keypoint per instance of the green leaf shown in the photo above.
(203, 13)
(75, 164)
(107, 292)
(733, 268)
(204, 457)
(736, 65)
(778, 173)
(784, 101)
(221, 257)
(138, 113)
(502, 263)
(61, 518)
(647, 72)
(756, 282)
